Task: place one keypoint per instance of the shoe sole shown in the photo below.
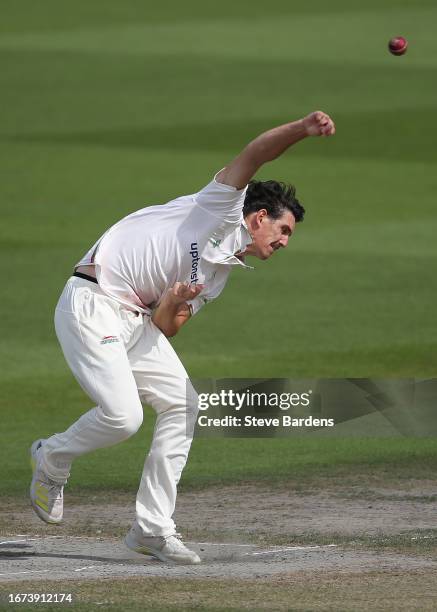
(154, 552)
(38, 511)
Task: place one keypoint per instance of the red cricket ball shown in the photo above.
(398, 45)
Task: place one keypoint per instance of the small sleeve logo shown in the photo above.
(109, 339)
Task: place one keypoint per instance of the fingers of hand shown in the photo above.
(324, 123)
(184, 290)
(195, 290)
(187, 291)
(328, 129)
(178, 288)
(319, 123)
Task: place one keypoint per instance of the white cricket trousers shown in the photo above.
(121, 359)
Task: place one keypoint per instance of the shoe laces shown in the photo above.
(176, 534)
(54, 489)
(177, 539)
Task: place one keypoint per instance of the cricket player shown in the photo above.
(137, 285)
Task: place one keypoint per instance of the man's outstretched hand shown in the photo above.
(318, 124)
(270, 145)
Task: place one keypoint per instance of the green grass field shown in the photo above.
(108, 107)
(107, 110)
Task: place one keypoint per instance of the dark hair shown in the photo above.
(275, 197)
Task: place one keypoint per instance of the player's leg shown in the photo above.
(91, 330)
(163, 383)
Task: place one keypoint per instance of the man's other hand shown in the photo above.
(182, 292)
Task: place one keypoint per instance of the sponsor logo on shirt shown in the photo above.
(194, 262)
(109, 339)
(215, 243)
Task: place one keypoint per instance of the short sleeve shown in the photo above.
(223, 201)
(212, 292)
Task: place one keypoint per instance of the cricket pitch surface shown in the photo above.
(242, 533)
(58, 557)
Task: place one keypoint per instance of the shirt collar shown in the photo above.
(224, 252)
(246, 236)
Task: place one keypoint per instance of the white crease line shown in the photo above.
(98, 536)
(280, 550)
(79, 569)
(15, 541)
(221, 544)
(46, 537)
(28, 572)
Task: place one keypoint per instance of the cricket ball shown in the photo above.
(398, 45)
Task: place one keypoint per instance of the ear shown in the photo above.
(261, 215)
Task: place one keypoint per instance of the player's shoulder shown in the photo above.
(218, 184)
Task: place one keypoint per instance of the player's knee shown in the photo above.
(122, 421)
(132, 422)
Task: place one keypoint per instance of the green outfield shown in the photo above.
(107, 109)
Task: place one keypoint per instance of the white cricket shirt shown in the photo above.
(191, 239)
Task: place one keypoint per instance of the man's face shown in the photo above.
(268, 234)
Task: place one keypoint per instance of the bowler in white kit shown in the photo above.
(137, 285)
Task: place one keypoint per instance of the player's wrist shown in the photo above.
(297, 130)
(306, 126)
(171, 300)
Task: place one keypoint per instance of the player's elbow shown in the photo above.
(176, 324)
(170, 323)
(167, 329)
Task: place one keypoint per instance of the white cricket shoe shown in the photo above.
(46, 496)
(165, 548)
